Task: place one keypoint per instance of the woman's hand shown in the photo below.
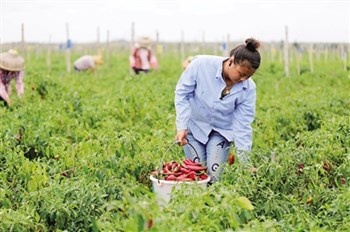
(181, 137)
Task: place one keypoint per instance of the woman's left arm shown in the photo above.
(20, 84)
(243, 117)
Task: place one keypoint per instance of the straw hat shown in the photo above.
(98, 59)
(186, 62)
(11, 61)
(144, 41)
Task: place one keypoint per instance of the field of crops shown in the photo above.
(76, 152)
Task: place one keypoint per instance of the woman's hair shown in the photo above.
(247, 52)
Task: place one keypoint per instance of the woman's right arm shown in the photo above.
(3, 93)
(183, 93)
(20, 84)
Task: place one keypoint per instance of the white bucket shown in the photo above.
(163, 188)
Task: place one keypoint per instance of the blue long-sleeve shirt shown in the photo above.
(199, 107)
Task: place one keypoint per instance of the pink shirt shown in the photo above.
(5, 83)
(141, 58)
(85, 62)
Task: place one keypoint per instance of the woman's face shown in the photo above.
(239, 72)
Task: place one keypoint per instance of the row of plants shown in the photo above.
(77, 151)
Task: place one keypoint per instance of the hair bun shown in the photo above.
(252, 44)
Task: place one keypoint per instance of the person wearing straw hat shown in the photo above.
(186, 62)
(141, 58)
(215, 107)
(11, 67)
(88, 62)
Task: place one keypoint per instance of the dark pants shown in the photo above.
(138, 70)
(3, 102)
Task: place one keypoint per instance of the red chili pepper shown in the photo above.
(176, 169)
(190, 162)
(184, 170)
(166, 165)
(178, 173)
(231, 159)
(203, 176)
(170, 177)
(175, 164)
(166, 171)
(64, 174)
(192, 176)
(150, 223)
(342, 180)
(300, 166)
(183, 165)
(181, 176)
(196, 168)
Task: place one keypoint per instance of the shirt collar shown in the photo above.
(219, 71)
(242, 85)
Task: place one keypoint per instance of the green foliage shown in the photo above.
(76, 153)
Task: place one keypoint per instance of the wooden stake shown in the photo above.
(107, 50)
(158, 46)
(68, 59)
(298, 60)
(311, 60)
(182, 46)
(286, 53)
(22, 41)
(98, 41)
(343, 56)
(132, 42)
(48, 57)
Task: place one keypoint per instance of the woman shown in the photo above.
(215, 106)
(11, 67)
(142, 58)
(88, 62)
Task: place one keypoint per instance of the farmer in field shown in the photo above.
(11, 67)
(142, 58)
(215, 106)
(88, 62)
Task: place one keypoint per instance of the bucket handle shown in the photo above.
(166, 151)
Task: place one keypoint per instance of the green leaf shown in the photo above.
(141, 222)
(245, 203)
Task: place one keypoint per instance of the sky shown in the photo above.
(192, 20)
